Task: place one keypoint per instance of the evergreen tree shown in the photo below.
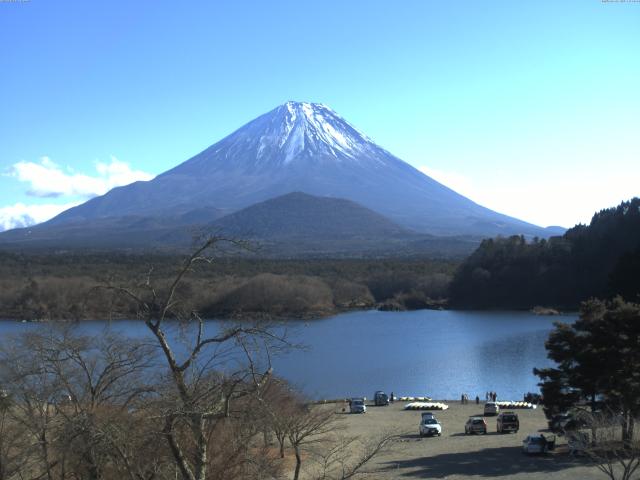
(598, 361)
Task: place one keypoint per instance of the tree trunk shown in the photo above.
(44, 445)
(296, 474)
(178, 454)
(626, 425)
(201, 450)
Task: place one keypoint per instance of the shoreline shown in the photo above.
(300, 316)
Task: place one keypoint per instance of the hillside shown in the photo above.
(306, 216)
(596, 260)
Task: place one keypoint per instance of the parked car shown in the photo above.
(429, 426)
(538, 443)
(507, 422)
(475, 425)
(380, 398)
(534, 444)
(491, 408)
(357, 405)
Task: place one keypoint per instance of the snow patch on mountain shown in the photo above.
(303, 126)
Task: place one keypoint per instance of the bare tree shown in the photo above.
(347, 457)
(14, 441)
(73, 394)
(308, 427)
(199, 399)
(278, 402)
(604, 440)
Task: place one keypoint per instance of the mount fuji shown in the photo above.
(297, 147)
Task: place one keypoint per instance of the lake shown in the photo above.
(433, 353)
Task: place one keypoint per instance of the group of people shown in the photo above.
(464, 399)
(489, 397)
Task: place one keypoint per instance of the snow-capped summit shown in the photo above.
(301, 147)
(314, 126)
(295, 132)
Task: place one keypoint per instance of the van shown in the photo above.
(380, 399)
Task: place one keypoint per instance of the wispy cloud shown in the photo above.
(21, 215)
(48, 179)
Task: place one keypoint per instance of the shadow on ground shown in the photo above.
(490, 462)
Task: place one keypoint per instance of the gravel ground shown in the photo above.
(455, 455)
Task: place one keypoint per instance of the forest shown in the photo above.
(64, 286)
(600, 260)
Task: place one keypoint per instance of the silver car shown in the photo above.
(534, 444)
(357, 405)
(491, 408)
(429, 426)
(475, 425)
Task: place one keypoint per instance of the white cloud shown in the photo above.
(21, 215)
(47, 179)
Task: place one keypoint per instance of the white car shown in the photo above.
(357, 405)
(429, 427)
(491, 408)
(534, 444)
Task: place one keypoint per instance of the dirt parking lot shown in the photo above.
(455, 455)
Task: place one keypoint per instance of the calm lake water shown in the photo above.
(440, 354)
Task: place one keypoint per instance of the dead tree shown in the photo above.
(74, 394)
(348, 457)
(203, 389)
(604, 440)
(14, 441)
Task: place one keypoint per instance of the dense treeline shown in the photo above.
(62, 286)
(599, 260)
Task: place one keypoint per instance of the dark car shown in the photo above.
(380, 398)
(507, 422)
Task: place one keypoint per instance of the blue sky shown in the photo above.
(529, 108)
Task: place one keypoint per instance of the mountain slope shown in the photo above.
(299, 215)
(308, 148)
(302, 225)
(292, 225)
